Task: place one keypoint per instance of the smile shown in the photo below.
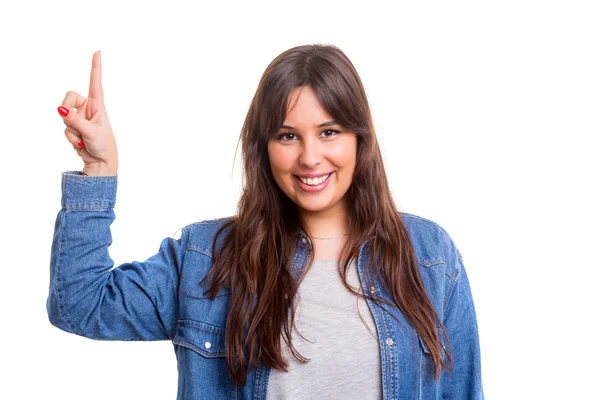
(313, 184)
(314, 181)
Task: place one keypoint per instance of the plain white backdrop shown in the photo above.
(487, 114)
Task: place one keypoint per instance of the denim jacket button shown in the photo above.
(389, 341)
(373, 290)
(207, 345)
(304, 240)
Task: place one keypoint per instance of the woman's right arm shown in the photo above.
(87, 297)
(135, 301)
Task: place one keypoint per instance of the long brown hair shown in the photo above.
(256, 251)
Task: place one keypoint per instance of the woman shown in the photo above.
(317, 263)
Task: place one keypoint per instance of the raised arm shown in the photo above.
(135, 301)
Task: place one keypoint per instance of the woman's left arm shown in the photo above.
(464, 382)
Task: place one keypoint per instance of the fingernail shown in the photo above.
(80, 144)
(63, 111)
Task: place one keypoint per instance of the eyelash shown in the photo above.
(282, 135)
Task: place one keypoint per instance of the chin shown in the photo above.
(310, 209)
(314, 206)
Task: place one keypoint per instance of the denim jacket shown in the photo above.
(160, 299)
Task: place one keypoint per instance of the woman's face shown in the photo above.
(312, 158)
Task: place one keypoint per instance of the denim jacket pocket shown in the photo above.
(200, 350)
(206, 340)
(195, 306)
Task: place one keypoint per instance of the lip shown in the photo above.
(318, 188)
(314, 174)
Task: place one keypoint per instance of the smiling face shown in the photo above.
(312, 157)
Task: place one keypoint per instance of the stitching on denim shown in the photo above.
(261, 379)
(190, 296)
(460, 263)
(198, 350)
(428, 264)
(108, 182)
(393, 352)
(88, 207)
(202, 325)
(199, 250)
(420, 375)
(88, 179)
(450, 293)
(91, 180)
(57, 276)
(453, 277)
(434, 262)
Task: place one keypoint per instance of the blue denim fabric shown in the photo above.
(160, 299)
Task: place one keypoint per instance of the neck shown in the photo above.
(327, 223)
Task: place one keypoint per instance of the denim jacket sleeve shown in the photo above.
(464, 382)
(87, 297)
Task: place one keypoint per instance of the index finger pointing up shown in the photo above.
(95, 91)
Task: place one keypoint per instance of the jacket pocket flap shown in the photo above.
(207, 340)
(426, 350)
(424, 346)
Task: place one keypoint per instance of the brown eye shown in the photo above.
(332, 132)
(285, 137)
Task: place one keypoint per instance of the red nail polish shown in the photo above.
(63, 111)
(80, 144)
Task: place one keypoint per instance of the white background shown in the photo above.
(486, 113)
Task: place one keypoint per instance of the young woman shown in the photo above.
(317, 288)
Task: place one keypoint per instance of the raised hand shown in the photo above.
(88, 128)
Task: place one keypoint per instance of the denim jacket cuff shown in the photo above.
(83, 192)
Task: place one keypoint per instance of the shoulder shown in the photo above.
(432, 244)
(200, 234)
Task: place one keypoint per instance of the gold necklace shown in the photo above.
(333, 237)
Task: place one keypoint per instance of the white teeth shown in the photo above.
(314, 181)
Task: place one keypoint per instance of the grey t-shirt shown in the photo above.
(344, 354)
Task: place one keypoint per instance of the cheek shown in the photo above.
(273, 158)
(278, 159)
(344, 155)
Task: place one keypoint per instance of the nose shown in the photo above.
(311, 154)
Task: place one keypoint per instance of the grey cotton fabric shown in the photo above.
(344, 353)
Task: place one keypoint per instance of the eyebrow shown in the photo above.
(328, 123)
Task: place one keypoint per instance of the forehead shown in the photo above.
(304, 109)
